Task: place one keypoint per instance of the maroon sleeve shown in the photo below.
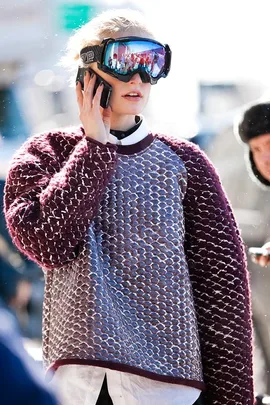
(52, 192)
(217, 265)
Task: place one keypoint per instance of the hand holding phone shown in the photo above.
(258, 251)
(107, 89)
(96, 121)
(260, 256)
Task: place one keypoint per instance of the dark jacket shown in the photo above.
(21, 381)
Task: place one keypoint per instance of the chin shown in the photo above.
(266, 175)
(127, 108)
(135, 110)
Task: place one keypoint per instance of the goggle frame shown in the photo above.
(96, 53)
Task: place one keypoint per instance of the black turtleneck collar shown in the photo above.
(123, 134)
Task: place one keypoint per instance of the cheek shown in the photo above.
(116, 98)
(147, 91)
(261, 166)
(257, 161)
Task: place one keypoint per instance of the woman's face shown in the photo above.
(260, 148)
(127, 98)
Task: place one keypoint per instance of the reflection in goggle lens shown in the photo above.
(126, 57)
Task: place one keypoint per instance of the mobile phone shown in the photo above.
(107, 89)
(256, 251)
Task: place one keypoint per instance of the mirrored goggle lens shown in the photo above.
(126, 57)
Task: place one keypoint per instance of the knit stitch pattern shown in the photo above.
(217, 266)
(74, 205)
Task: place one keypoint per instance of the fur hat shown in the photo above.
(254, 122)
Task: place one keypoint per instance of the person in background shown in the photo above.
(21, 282)
(15, 286)
(147, 296)
(253, 129)
(21, 380)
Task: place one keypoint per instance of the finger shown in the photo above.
(263, 260)
(107, 112)
(89, 92)
(79, 95)
(97, 96)
(255, 259)
(266, 246)
(89, 85)
(86, 79)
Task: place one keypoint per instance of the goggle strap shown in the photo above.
(91, 54)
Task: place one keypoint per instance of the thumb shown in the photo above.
(107, 112)
(266, 246)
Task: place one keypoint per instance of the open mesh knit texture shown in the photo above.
(144, 265)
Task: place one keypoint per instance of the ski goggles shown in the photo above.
(124, 57)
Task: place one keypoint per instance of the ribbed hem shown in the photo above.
(125, 149)
(126, 369)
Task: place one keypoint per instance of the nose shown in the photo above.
(136, 79)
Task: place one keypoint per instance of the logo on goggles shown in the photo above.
(88, 57)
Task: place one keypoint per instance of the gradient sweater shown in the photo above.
(145, 268)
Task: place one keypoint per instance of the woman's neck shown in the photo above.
(120, 123)
(123, 134)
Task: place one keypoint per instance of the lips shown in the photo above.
(133, 94)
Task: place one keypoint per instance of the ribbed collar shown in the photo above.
(136, 142)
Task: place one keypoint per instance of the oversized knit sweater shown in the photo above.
(145, 269)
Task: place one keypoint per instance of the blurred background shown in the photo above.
(221, 61)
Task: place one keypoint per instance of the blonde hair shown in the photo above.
(108, 24)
